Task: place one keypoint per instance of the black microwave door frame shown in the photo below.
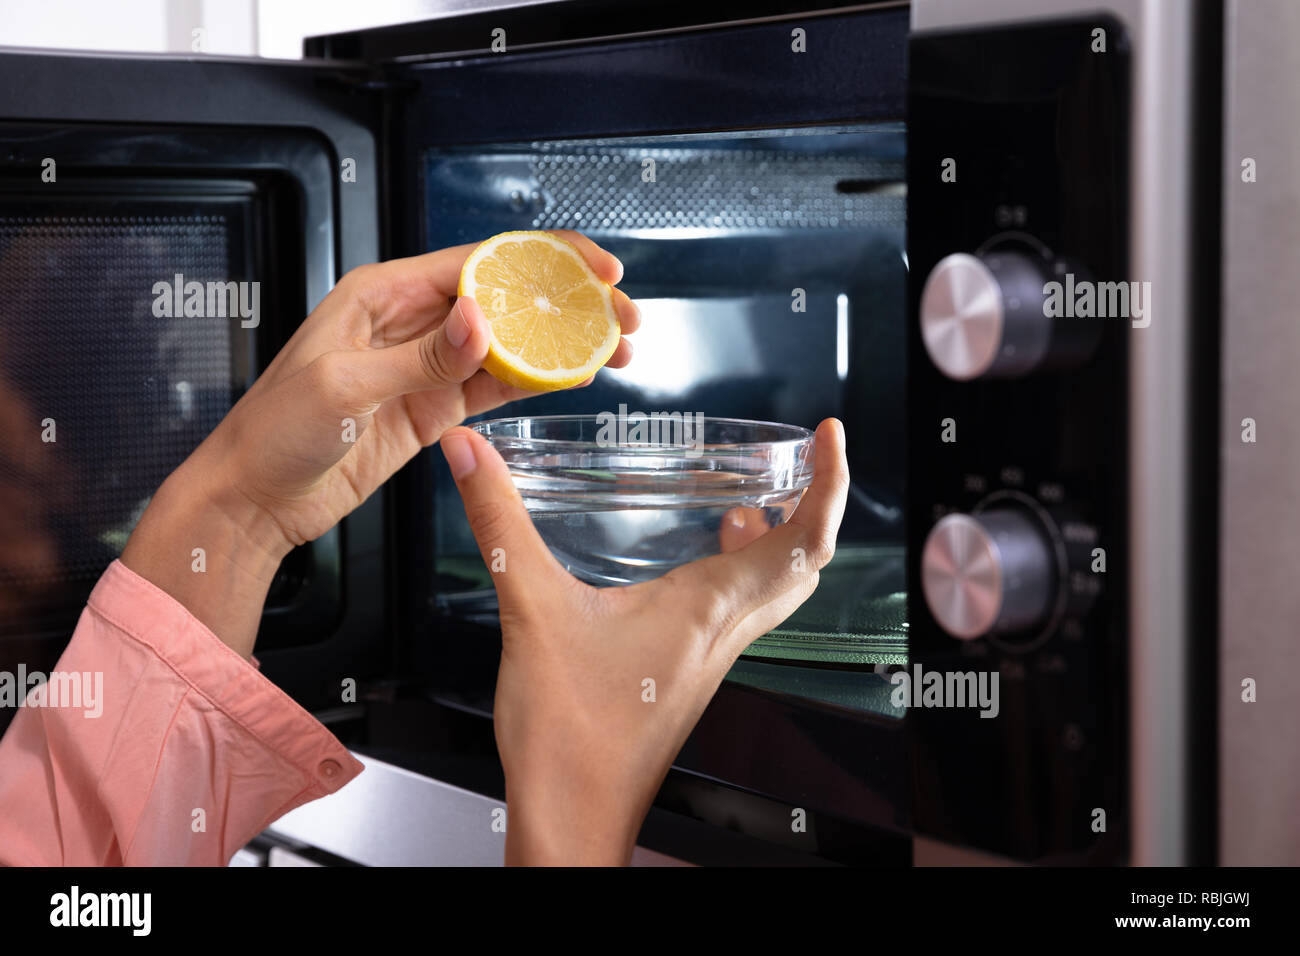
(847, 765)
(105, 118)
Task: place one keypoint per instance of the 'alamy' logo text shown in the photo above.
(923, 688)
(1083, 299)
(75, 908)
(208, 300)
(679, 429)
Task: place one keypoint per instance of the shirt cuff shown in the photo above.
(235, 687)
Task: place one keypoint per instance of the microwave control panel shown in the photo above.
(1019, 312)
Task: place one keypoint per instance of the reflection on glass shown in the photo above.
(99, 398)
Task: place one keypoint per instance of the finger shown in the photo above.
(799, 549)
(520, 561)
(480, 393)
(822, 508)
(483, 392)
(622, 354)
(604, 264)
(402, 297)
(763, 582)
(448, 355)
(741, 526)
(629, 315)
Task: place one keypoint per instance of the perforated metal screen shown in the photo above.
(605, 187)
(124, 394)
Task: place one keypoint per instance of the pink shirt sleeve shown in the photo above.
(186, 725)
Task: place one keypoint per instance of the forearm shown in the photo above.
(210, 549)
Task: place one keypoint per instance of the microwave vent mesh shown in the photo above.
(101, 398)
(605, 189)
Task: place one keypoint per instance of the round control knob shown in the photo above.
(982, 316)
(994, 572)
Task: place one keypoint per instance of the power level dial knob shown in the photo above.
(982, 316)
(994, 572)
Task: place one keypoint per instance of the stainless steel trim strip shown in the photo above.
(389, 816)
(1259, 603)
(1159, 456)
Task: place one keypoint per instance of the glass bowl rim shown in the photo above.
(798, 435)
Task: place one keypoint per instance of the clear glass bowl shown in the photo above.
(617, 505)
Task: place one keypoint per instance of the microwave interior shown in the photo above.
(770, 267)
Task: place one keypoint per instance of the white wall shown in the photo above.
(144, 26)
(273, 28)
(282, 24)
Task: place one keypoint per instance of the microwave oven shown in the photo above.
(851, 209)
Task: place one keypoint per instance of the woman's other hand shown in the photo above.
(584, 744)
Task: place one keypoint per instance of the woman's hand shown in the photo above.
(386, 363)
(583, 745)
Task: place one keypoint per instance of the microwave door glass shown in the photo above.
(771, 273)
(111, 396)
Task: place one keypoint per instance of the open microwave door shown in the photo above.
(123, 180)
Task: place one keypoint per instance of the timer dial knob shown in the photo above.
(994, 572)
(982, 316)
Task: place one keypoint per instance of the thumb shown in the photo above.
(448, 355)
(740, 526)
(511, 547)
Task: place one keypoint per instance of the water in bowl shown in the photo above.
(623, 512)
(613, 546)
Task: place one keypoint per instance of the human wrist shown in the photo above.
(555, 820)
(211, 549)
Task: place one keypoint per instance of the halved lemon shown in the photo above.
(553, 321)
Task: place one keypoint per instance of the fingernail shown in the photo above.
(459, 455)
(737, 519)
(457, 328)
